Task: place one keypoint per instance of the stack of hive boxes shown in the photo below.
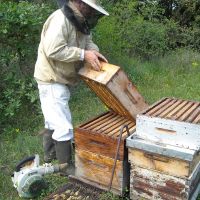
(96, 140)
(164, 151)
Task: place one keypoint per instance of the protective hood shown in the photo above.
(96, 5)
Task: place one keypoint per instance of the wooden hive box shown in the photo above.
(114, 88)
(149, 184)
(166, 159)
(96, 145)
(171, 121)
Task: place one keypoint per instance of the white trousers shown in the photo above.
(54, 103)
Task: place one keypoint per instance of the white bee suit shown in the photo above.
(54, 98)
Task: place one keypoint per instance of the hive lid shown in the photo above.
(114, 88)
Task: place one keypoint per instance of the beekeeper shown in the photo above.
(65, 45)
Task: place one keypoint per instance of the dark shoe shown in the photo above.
(63, 151)
(63, 155)
(48, 146)
(69, 170)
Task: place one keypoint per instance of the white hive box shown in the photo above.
(171, 121)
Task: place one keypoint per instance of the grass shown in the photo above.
(175, 75)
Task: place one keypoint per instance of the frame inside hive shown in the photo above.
(176, 109)
(107, 97)
(112, 85)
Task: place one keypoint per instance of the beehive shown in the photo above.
(115, 89)
(96, 145)
(96, 141)
(164, 151)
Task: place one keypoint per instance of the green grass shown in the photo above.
(176, 75)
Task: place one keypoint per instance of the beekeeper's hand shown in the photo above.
(100, 56)
(91, 57)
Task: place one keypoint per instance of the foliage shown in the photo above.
(19, 38)
(148, 28)
(174, 75)
(141, 28)
(185, 12)
(145, 39)
(49, 2)
(19, 33)
(18, 95)
(109, 195)
(135, 37)
(107, 37)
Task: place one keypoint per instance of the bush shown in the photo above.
(20, 33)
(145, 39)
(127, 32)
(147, 29)
(19, 38)
(138, 38)
(107, 37)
